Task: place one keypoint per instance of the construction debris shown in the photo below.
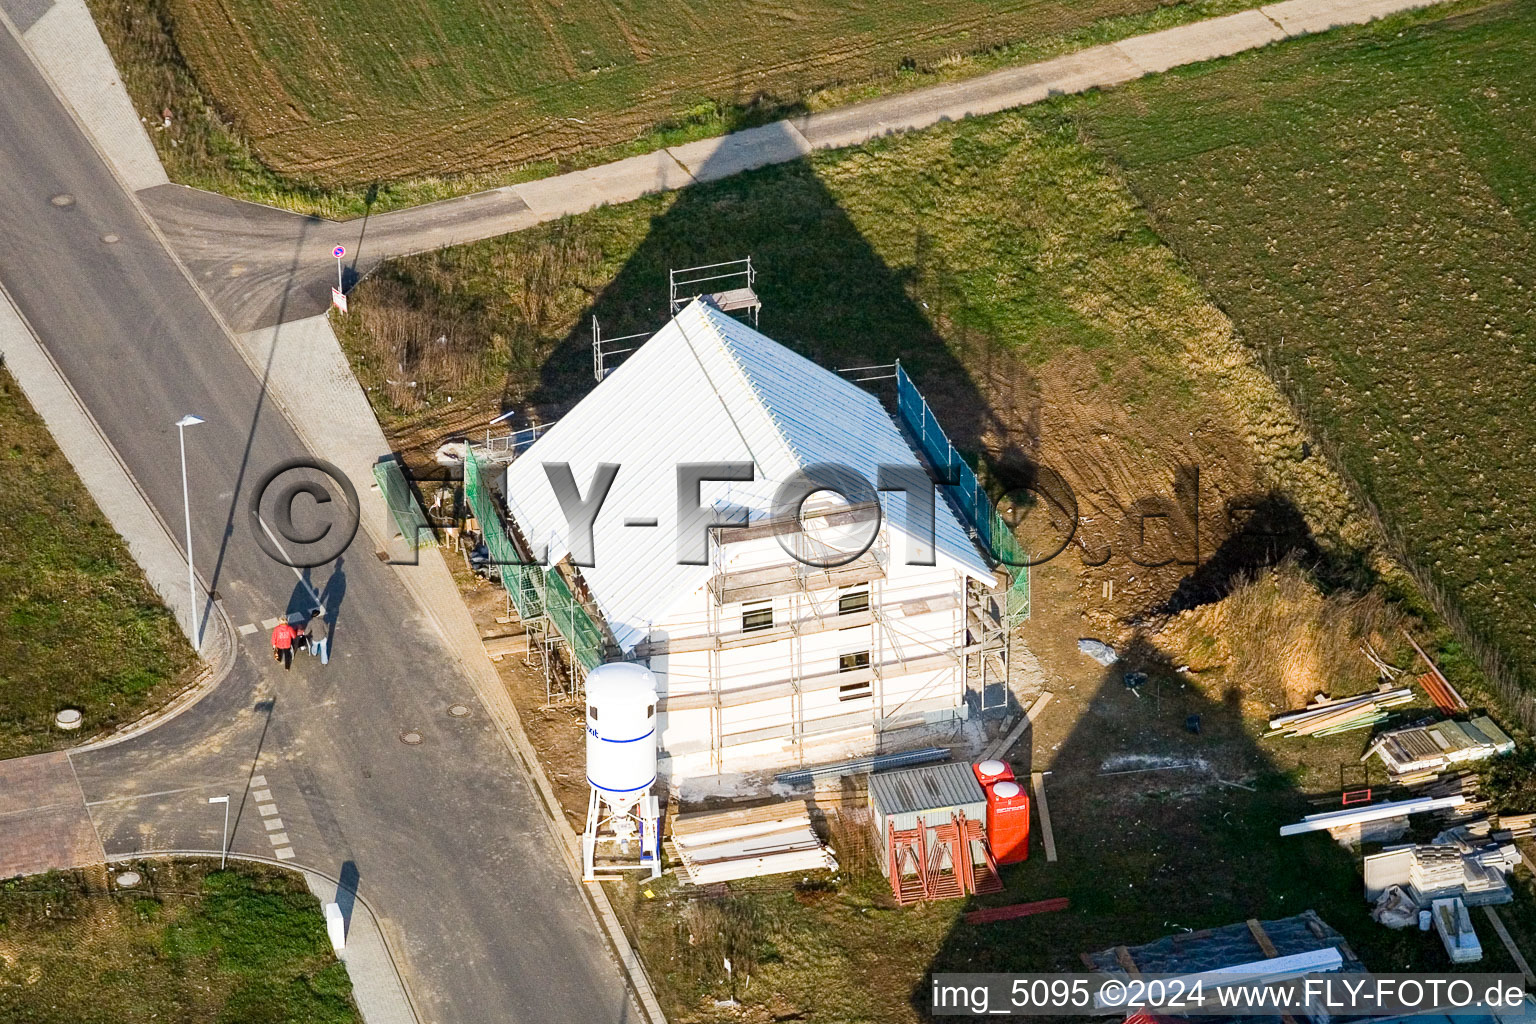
(1098, 650)
(1005, 744)
(860, 765)
(1374, 823)
(1008, 913)
(1455, 927)
(1037, 781)
(719, 846)
(1302, 943)
(1419, 753)
(1473, 872)
(1326, 716)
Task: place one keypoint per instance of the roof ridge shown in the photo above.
(707, 314)
(762, 401)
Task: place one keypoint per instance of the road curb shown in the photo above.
(493, 695)
(295, 866)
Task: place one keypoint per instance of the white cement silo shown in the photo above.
(621, 766)
(621, 733)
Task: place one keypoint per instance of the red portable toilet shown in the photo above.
(988, 772)
(1008, 821)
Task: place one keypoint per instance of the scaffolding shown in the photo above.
(815, 596)
(415, 529)
(545, 601)
(605, 354)
(731, 286)
(992, 613)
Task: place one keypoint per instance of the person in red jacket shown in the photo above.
(282, 644)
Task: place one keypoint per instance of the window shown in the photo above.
(854, 691)
(592, 712)
(857, 601)
(853, 662)
(756, 617)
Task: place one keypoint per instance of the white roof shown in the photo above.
(705, 388)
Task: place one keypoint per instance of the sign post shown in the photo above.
(339, 297)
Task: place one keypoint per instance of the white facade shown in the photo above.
(760, 660)
(802, 669)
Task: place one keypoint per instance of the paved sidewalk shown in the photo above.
(65, 41)
(376, 984)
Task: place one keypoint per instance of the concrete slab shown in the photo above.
(44, 824)
(65, 42)
(713, 159)
(1202, 40)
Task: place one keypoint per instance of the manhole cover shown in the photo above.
(129, 879)
(411, 737)
(109, 238)
(69, 718)
(63, 199)
(458, 711)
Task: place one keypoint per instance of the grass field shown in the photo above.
(1364, 207)
(191, 944)
(81, 626)
(307, 105)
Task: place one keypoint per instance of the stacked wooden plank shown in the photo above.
(719, 846)
(1326, 716)
(1519, 826)
(1436, 685)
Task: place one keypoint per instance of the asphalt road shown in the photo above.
(445, 837)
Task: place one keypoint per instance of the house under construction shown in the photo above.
(767, 651)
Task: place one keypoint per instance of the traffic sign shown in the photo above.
(339, 251)
(339, 299)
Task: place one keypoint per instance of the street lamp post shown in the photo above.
(224, 847)
(182, 424)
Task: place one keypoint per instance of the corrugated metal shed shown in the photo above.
(902, 799)
(705, 388)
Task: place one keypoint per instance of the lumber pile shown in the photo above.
(1519, 826)
(1419, 753)
(719, 846)
(1326, 716)
(1439, 688)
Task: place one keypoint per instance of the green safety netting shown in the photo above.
(965, 493)
(572, 622)
(534, 592)
(403, 507)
